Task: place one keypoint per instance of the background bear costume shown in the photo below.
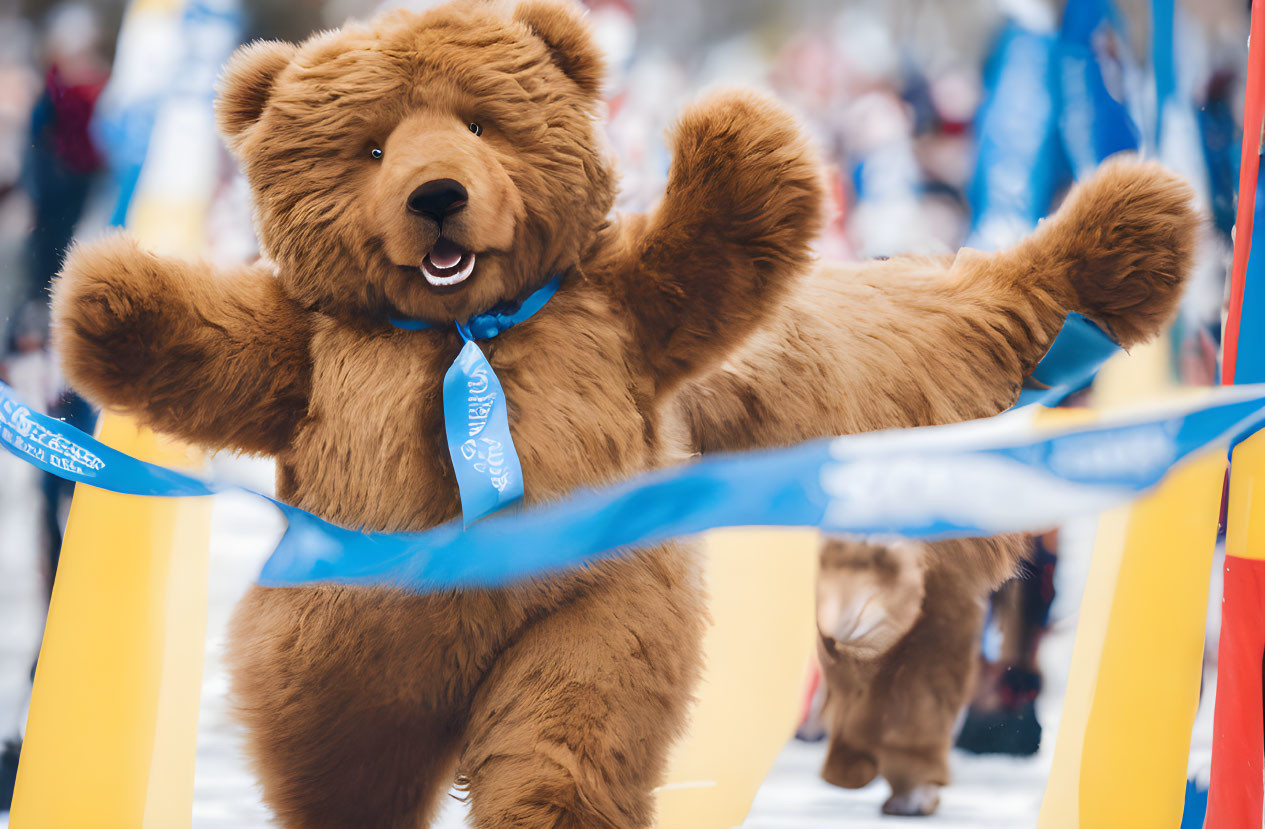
(553, 702)
(899, 625)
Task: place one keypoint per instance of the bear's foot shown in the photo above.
(919, 801)
(848, 767)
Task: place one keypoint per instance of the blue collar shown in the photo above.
(498, 320)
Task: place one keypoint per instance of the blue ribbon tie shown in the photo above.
(476, 418)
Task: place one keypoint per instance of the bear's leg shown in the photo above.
(572, 726)
(346, 725)
(851, 715)
(847, 766)
(383, 768)
(915, 774)
(920, 689)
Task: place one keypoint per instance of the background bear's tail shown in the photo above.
(1119, 248)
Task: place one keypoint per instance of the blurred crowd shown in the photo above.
(891, 89)
(895, 92)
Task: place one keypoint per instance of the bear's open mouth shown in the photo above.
(447, 264)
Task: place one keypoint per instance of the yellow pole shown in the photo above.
(111, 735)
(1124, 735)
(756, 657)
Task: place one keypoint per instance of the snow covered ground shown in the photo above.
(986, 793)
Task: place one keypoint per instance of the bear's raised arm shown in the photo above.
(744, 201)
(216, 358)
(918, 341)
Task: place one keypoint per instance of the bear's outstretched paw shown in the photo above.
(742, 165)
(919, 801)
(111, 307)
(1124, 241)
(97, 286)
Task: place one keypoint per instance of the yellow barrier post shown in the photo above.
(756, 654)
(111, 735)
(1133, 689)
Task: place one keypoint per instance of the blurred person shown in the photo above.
(62, 160)
(60, 169)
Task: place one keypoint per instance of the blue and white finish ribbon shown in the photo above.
(969, 479)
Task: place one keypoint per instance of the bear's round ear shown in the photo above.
(561, 26)
(246, 84)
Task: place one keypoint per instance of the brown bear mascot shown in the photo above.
(917, 341)
(437, 166)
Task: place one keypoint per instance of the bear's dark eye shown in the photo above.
(376, 153)
(476, 129)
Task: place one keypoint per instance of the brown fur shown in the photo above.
(554, 701)
(918, 341)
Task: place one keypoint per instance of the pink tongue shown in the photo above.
(445, 254)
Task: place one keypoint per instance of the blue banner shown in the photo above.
(1020, 162)
(1163, 15)
(1095, 121)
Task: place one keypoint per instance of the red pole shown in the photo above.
(1253, 109)
(1238, 746)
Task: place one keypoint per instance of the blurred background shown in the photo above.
(945, 122)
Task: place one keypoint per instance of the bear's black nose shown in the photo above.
(437, 199)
